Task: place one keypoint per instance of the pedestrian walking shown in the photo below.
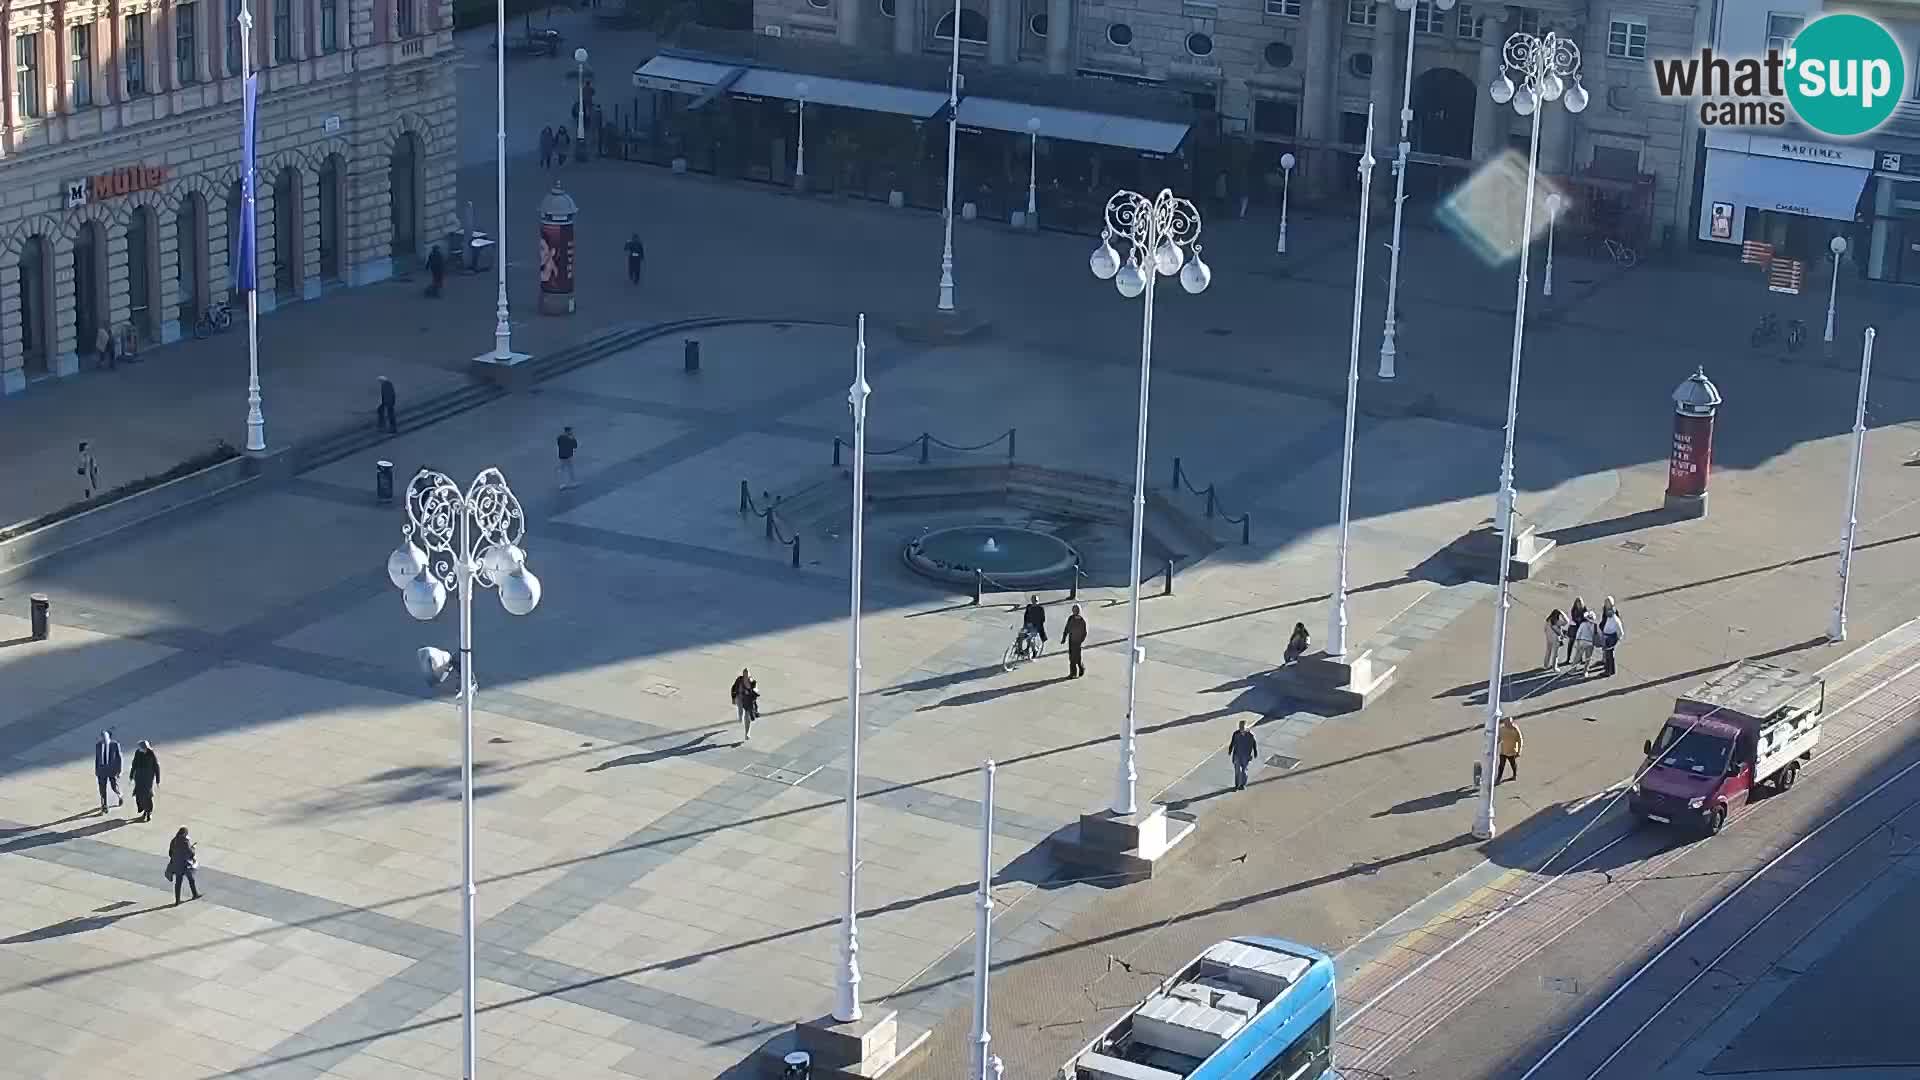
(1510, 743)
(546, 147)
(436, 272)
(568, 445)
(1299, 643)
(1612, 633)
(145, 775)
(746, 703)
(1076, 637)
(1241, 750)
(89, 471)
(1575, 616)
(636, 258)
(182, 861)
(106, 769)
(1584, 638)
(103, 346)
(562, 143)
(1556, 634)
(385, 417)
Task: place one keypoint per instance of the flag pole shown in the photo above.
(247, 279)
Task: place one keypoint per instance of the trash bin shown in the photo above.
(693, 355)
(383, 481)
(37, 607)
(799, 1066)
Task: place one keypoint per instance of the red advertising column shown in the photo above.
(1690, 459)
(557, 213)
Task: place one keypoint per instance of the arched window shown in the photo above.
(288, 226)
(36, 328)
(403, 178)
(143, 273)
(973, 27)
(89, 286)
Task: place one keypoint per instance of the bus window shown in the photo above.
(1310, 1055)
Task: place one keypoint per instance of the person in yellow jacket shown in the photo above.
(1510, 744)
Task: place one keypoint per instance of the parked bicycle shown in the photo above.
(129, 343)
(1026, 646)
(216, 319)
(1623, 256)
(1769, 331)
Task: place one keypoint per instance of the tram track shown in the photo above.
(1562, 906)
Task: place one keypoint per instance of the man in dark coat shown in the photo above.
(436, 271)
(385, 417)
(1241, 750)
(636, 258)
(546, 147)
(1076, 637)
(182, 860)
(145, 774)
(106, 769)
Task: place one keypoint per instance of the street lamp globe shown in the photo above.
(405, 564)
(1033, 125)
(1551, 87)
(1169, 258)
(1575, 98)
(1502, 89)
(1287, 162)
(1524, 101)
(1837, 245)
(1443, 5)
(502, 561)
(1130, 281)
(1196, 277)
(579, 56)
(520, 592)
(1404, 5)
(424, 597)
(1104, 262)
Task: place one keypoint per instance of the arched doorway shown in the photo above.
(1443, 105)
(289, 270)
(35, 284)
(190, 267)
(89, 286)
(403, 178)
(143, 275)
(973, 27)
(332, 236)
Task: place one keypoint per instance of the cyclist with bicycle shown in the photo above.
(1033, 624)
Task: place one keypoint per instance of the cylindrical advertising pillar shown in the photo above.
(1695, 404)
(557, 213)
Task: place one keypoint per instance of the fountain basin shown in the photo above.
(1008, 554)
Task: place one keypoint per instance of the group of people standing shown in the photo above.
(1580, 632)
(143, 774)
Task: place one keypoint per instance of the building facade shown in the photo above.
(1299, 75)
(120, 160)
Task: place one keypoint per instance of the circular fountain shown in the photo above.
(1008, 554)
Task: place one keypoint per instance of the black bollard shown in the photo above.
(1012, 435)
(1246, 528)
(925, 444)
(1168, 591)
(769, 516)
(836, 451)
(1210, 506)
(37, 608)
(1073, 590)
(1175, 486)
(693, 356)
(383, 481)
(796, 551)
(746, 499)
(978, 585)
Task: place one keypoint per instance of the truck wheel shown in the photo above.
(1789, 775)
(1716, 820)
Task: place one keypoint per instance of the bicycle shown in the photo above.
(129, 336)
(1026, 646)
(1623, 256)
(216, 319)
(1769, 330)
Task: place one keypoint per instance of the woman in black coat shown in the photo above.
(181, 861)
(145, 775)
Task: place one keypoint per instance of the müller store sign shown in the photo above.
(116, 184)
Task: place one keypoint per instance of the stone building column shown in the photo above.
(1556, 131)
(119, 306)
(219, 254)
(63, 357)
(847, 14)
(13, 373)
(1319, 104)
(1061, 27)
(165, 292)
(1382, 85)
(906, 26)
(1000, 32)
(1491, 120)
(310, 284)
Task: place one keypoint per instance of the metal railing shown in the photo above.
(1214, 509)
(926, 442)
(770, 513)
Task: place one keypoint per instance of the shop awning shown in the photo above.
(845, 93)
(1788, 186)
(1101, 129)
(682, 75)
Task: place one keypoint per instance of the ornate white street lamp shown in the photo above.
(1548, 69)
(1337, 617)
(1838, 631)
(1400, 184)
(846, 1001)
(462, 540)
(800, 153)
(502, 323)
(985, 1066)
(1159, 235)
(1286, 188)
(580, 108)
(1033, 171)
(249, 107)
(1837, 245)
(953, 139)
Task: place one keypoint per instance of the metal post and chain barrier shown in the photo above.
(1213, 508)
(925, 441)
(748, 505)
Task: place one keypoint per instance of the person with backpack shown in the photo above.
(182, 860)
(746, 703)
